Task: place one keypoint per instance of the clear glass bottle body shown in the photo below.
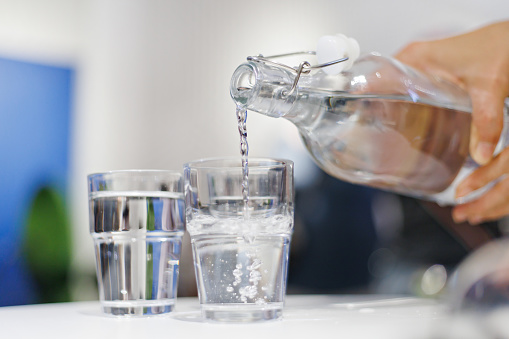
(380, 123)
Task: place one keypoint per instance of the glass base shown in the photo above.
(133, 308)
(242, 312)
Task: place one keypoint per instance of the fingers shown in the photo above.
(485, 174)
(491, 206)
(494, 203)
(488, 86)
(487, 117)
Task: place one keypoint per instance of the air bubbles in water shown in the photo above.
(244, 152)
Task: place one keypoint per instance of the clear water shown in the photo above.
(241, 274)
(138, 242)
(244, 153)
(242, 312)
(409, 147)
(240, 248)
(262, 222)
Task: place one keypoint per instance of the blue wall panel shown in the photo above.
(35, 112)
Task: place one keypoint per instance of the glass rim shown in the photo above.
(232, 162)
(93, 175)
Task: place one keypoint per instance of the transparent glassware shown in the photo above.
(481, 281)
(379, 123)
(137, 221)
(240, 248)
(478, 294)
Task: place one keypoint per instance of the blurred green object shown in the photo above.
(48, 245)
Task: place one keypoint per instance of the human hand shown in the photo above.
(478, 62)
(493, 204)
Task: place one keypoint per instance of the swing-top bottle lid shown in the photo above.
(334, 47)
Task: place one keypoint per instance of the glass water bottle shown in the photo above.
(378, 123)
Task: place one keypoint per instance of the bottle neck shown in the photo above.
(264, 89)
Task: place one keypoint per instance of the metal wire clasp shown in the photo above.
(303, 68)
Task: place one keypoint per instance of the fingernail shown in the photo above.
(484, 152)
(461, 191)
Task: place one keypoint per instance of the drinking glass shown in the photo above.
(137, 222)
(240, 247)
(478, 294)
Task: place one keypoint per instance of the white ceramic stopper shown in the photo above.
(334, 47)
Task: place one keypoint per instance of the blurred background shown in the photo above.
(97, 85)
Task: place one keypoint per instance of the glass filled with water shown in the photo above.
(240, 241)
(137, 222)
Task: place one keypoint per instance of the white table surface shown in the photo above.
(304, 317)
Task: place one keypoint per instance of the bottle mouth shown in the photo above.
(243, 84)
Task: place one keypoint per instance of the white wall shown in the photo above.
(153, 75)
